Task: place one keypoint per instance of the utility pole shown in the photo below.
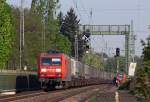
(44, 36)
(43, 33)
(91, 29)
(91, 16)
(117, 58)
(21, 32)
(22, 24)
(76, 46)
(132, 43)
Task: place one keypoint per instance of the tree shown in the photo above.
(34, 35)
(45, 9)
(64, 43)
(33, 41)
(111, 64)
(82, 43)
(142, 86)
(70, 27)
(93, 60)
(6, 33)
(60, 18)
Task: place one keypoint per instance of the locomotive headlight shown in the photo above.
(43, 70)
(58, 70)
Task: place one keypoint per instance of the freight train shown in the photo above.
(60, 71)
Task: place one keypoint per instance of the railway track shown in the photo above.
(22, 95)
(51, 96)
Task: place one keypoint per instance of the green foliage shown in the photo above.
(147, 53)
(142, 87)
(111, 64)
(6, 33)
(70, 27)
(81, 46)
(125, 85)
(45, 9)
(53, 39)
(34, 28)
(63, 44)
(33, 38)
(93, 60)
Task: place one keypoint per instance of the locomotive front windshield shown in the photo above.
(51, 61)
(56, 61)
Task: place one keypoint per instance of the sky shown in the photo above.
(109, 12)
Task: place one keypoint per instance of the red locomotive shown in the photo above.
(59, 70)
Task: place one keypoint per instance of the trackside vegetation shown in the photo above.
(142, 86)
(6, 33)
(43, 30)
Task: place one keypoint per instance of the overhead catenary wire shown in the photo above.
(86, 12)
(136, 10)
(109, 50)
(139, 13)
(116, 10)
(76, 6)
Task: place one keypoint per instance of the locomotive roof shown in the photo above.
(51, 55)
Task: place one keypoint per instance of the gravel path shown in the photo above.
(112, 95)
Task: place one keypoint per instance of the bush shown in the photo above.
(125, 85)
(142, 87)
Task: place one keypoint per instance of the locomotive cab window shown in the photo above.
(46, 61)
(56, 61)
(51, 61)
